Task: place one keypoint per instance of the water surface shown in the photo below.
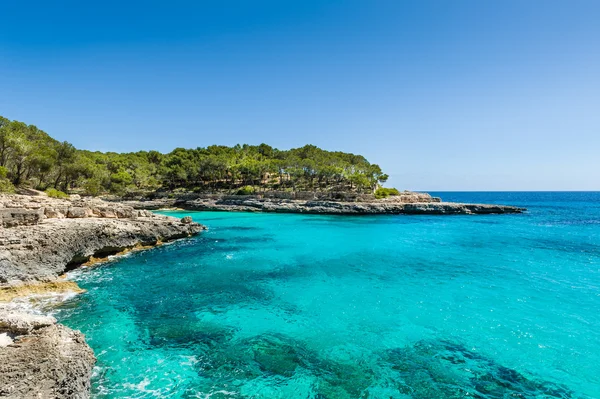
(332, 307)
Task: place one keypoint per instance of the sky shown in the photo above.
(443, 95)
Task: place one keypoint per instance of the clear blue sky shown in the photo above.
(444, 95)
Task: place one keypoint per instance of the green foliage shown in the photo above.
(246, 190)
(54, 193)
(29, 156)
(92, 186)
(383, 192)
(5, 185)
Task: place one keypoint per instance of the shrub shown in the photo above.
(54, 193)
(6, 186)
(92, 187)
(246, 190)
(383, 192)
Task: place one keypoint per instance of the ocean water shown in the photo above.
(335, 307)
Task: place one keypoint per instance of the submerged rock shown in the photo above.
(444, 369)
(425, 370)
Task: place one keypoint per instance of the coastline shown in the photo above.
(40, 239)
(408, 203)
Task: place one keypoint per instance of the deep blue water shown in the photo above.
(331, 307)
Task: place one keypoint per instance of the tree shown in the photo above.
(31, 157)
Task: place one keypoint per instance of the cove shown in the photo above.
(328, 307)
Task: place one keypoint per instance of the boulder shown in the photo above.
(50, 362)
(126, 212)
(18, 323)
(12, 217)
(77, 212)
(52, 213)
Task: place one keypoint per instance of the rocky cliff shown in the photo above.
(40, 239)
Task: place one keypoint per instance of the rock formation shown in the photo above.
(40, 239)
(42, 359)
(405, 203)
(66, 233)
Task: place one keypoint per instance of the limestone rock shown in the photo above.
(5, 340)
(344, 208)
(53, 213)
(406, 203)
(50, 362)
(39, 358)
(22, 323)
(77, 212)
(43, 250)
(12, 217)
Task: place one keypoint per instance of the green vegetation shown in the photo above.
(29, 157)
(246, 190)
(5, 185)
(54, 193)
(383, 192)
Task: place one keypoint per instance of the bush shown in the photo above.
(54, 193)
(92, 187)
(246, 190)
(383, 192)
(6, 186)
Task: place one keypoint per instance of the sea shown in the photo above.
(297, 306)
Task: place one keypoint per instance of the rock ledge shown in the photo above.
(40, 239)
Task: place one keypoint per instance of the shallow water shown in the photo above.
(332, 307)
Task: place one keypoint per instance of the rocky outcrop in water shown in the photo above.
(66, 233)
(40, 239)
(346, 208)
(407, 203)
(381, 207)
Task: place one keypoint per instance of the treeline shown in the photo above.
(29, 157)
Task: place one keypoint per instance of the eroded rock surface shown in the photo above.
(410, 203)
(345, 208)
(40, 239)
(42, 359)
(68, 233)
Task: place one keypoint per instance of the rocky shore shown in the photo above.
(40, 358)
(40, 239)
(408, 203)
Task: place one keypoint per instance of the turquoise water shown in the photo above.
(331, 307)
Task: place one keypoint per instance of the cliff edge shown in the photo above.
(40, 239)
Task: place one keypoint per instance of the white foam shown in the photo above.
(40, 304)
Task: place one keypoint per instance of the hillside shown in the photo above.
(29, 157)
